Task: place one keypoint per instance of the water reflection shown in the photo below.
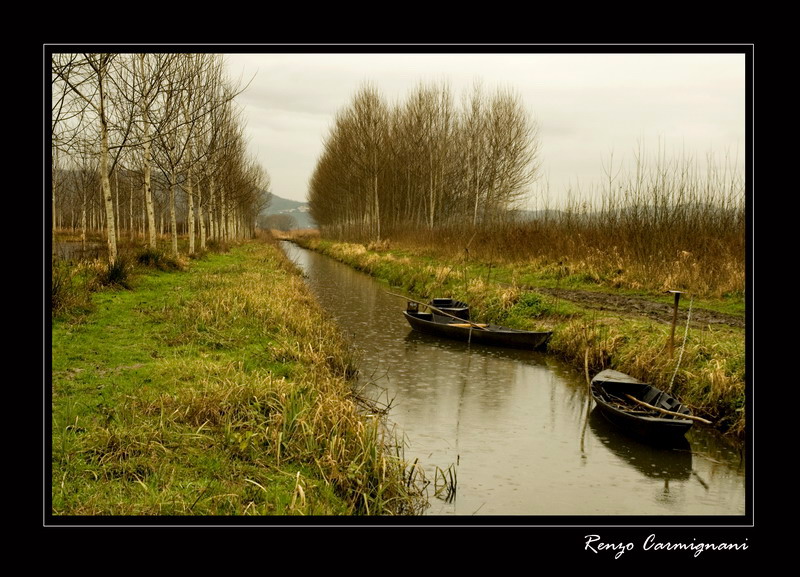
(516, 425)
(668, 462)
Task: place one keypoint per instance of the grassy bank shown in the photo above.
(706, 367)
(215, 386)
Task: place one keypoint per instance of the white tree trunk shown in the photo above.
(212, 211)
(148, 194)
(108, 200)
(190, 201)
(201, 219)
(173, 218)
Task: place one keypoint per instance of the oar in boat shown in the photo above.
(441, 312)
(665, 411)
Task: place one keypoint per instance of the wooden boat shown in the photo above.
(452, 307)
(438, 321)
(640, 409)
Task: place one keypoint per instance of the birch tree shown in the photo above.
(168, 115)
(150, 80)
(66, 117)
(177, 132)
(90, 80)
(212, 99)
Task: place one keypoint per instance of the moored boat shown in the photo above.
(639, 408)
(440, 320)
(451, 307)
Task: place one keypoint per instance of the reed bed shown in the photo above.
(661, 225)
(603, 249)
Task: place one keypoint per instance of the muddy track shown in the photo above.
(638, 306)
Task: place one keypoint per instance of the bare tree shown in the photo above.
(513, 150)
(370, 121)
(86, 179)
(474, 148)
(89, 80)
(336, 188)
(171, 117)
(150, 80)
(432, 111)
(182, 106)
(214, 97)
(66, 119)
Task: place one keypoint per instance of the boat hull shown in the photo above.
(609, 391)
(438, 325)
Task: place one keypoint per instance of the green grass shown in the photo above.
(220, 389)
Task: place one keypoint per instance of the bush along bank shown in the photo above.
(705, 367)
(216, 388)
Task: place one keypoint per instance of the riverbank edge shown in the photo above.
(134, 394)
(710, 377)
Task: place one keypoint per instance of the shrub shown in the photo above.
(116, 274)
(66, 290)
(157, 259)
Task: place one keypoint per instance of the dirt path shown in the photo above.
(629, 305)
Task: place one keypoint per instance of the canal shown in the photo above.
(515, 430)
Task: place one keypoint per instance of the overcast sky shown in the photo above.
(588, 105)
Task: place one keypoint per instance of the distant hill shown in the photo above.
(530, 215)
(279, 204)
(293, 208)
(302, 219)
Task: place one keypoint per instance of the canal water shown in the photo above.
(516, 431)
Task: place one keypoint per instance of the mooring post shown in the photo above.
(674, 322)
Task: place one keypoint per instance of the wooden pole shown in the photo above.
(674, 322)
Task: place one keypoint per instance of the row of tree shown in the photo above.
(148, 143)
(424, 162)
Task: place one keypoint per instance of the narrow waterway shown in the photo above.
(515, 430)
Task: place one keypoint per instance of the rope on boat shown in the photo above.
(683, 345)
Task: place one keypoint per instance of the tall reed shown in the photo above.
(662, 226)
